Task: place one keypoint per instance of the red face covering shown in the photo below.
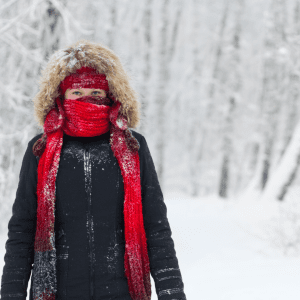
(83, 119)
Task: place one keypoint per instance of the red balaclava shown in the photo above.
(85, 77)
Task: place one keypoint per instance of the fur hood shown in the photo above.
(85, 53)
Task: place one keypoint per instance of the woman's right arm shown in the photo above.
(21, 231)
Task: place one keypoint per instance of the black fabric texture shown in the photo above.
(89, 225)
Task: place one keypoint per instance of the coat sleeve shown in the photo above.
(19, 246)
(164, 266)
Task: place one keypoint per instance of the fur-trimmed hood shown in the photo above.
(85, 53)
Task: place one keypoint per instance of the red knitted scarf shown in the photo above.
(82, 117)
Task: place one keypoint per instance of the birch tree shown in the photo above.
(234, 86)
(284, 174)
(209, 120)
(147, 70)
(161, 95)
(195, 139)
(289, 158)
(270, 101)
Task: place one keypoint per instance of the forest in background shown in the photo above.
(218, 83)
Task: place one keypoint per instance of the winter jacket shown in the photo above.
(89, 225)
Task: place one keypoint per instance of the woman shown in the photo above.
(89, 217)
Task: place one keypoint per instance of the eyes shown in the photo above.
(77, 93)
(95, 93)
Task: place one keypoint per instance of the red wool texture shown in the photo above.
(82, 117)
(85, 77)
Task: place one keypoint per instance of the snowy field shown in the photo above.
(227, 249)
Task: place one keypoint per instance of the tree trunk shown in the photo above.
(147, 25)
(235, 86)
(112, 24)
(289, 156)
(227, 148)
(161, 89)
(272, 97)
(51, 34)
(285, 172)
(195, 139)
(207, 123)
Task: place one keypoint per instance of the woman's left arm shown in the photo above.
(164, 265)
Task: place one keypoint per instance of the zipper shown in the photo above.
(90, 223)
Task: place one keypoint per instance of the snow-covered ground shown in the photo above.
(231, 249)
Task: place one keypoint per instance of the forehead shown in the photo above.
(83, 89)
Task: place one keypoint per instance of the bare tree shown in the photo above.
(147, 38)
(195, 140)
(112, 23)
(51, 33)
(160, 100)
(234, 83)
(284, 174)
(203, 145)
(271, 94)
(289, 157)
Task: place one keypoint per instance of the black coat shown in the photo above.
(89, 225)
